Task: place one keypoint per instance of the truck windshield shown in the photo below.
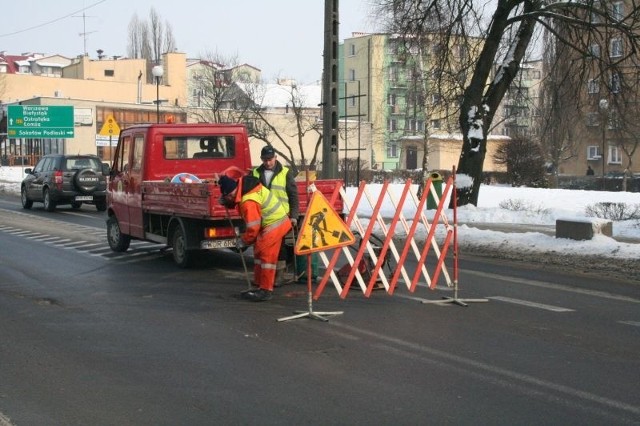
(203, 147)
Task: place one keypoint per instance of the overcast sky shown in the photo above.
(284, 38)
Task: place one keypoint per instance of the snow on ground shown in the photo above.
(543, 207)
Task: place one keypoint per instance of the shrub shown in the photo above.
(613, 211)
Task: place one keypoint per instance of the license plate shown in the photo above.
(84, 198)
(213, 244)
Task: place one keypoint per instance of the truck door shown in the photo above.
(134, 192)
(126, 199)
(119, 184)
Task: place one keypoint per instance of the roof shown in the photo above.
(279, 96)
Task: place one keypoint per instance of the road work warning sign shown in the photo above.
(322, 229)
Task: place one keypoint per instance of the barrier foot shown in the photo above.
(455, 300)
(309, 313)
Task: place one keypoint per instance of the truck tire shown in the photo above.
(118, 241)
(181, 256)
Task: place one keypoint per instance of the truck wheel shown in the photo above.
(118, 241)
(49, 205)
(181, 255)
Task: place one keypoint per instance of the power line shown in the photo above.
(52, 21)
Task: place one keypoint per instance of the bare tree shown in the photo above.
(508, 35)
(557, 116)
(216, 96)
(299, 123)
(150, 40)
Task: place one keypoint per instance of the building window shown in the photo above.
(615, 48)
(391, 99)
(392, 125)
(352, 49)
(617, 11)
(392, 150)
(593, 86)
(436, 124)
(615, 82)
(593, 119)
(352, 101)
(352, 74)
(109, 73)
(614, 156)
(593, 152)
(594, 50)
(414, 125)
(393, 73)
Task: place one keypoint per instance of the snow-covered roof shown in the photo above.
(273, 95)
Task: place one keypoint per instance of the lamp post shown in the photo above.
(604, 106)
(157, 72)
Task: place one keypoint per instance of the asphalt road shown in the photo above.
(88, 336)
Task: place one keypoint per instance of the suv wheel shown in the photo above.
(76, 205)
(86, 180)
(118, 241)
(101, 204)
(26, 202)
(49, 204)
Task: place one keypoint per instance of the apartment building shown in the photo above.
(381, 86)
(605, 97)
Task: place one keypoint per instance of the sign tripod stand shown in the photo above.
(309, 313)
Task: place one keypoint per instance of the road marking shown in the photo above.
(531, 304)
(634, 323)
(540, 284)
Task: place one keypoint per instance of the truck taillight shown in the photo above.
(57, 178)
(219, 232)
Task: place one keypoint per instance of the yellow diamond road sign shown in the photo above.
(110, 127)
(322, 229)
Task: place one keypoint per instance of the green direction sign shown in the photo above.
(40, 121)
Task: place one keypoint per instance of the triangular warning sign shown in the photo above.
(323, 229)
(110, 127)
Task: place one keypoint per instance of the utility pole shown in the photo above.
(330, 151)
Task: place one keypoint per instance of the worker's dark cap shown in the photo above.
(227, 185)
(267, 153)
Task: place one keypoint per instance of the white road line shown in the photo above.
(634, 323)
(560, 287)
(531, 304)
(4, 420)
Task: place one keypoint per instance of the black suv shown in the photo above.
(66, 179)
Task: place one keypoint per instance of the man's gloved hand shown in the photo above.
(294, 222)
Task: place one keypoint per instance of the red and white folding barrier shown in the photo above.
(375, 256)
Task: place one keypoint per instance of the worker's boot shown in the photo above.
(281, 268)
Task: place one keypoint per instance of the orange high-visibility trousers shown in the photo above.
(266, 252)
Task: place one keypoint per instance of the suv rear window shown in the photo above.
(72, 163)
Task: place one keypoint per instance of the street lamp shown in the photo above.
(604, 106)
(157, 72)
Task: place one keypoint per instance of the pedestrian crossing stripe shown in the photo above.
(322, 229)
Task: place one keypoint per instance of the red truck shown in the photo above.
(163, 187)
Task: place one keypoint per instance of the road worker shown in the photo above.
(280, 181)
(266, 225)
